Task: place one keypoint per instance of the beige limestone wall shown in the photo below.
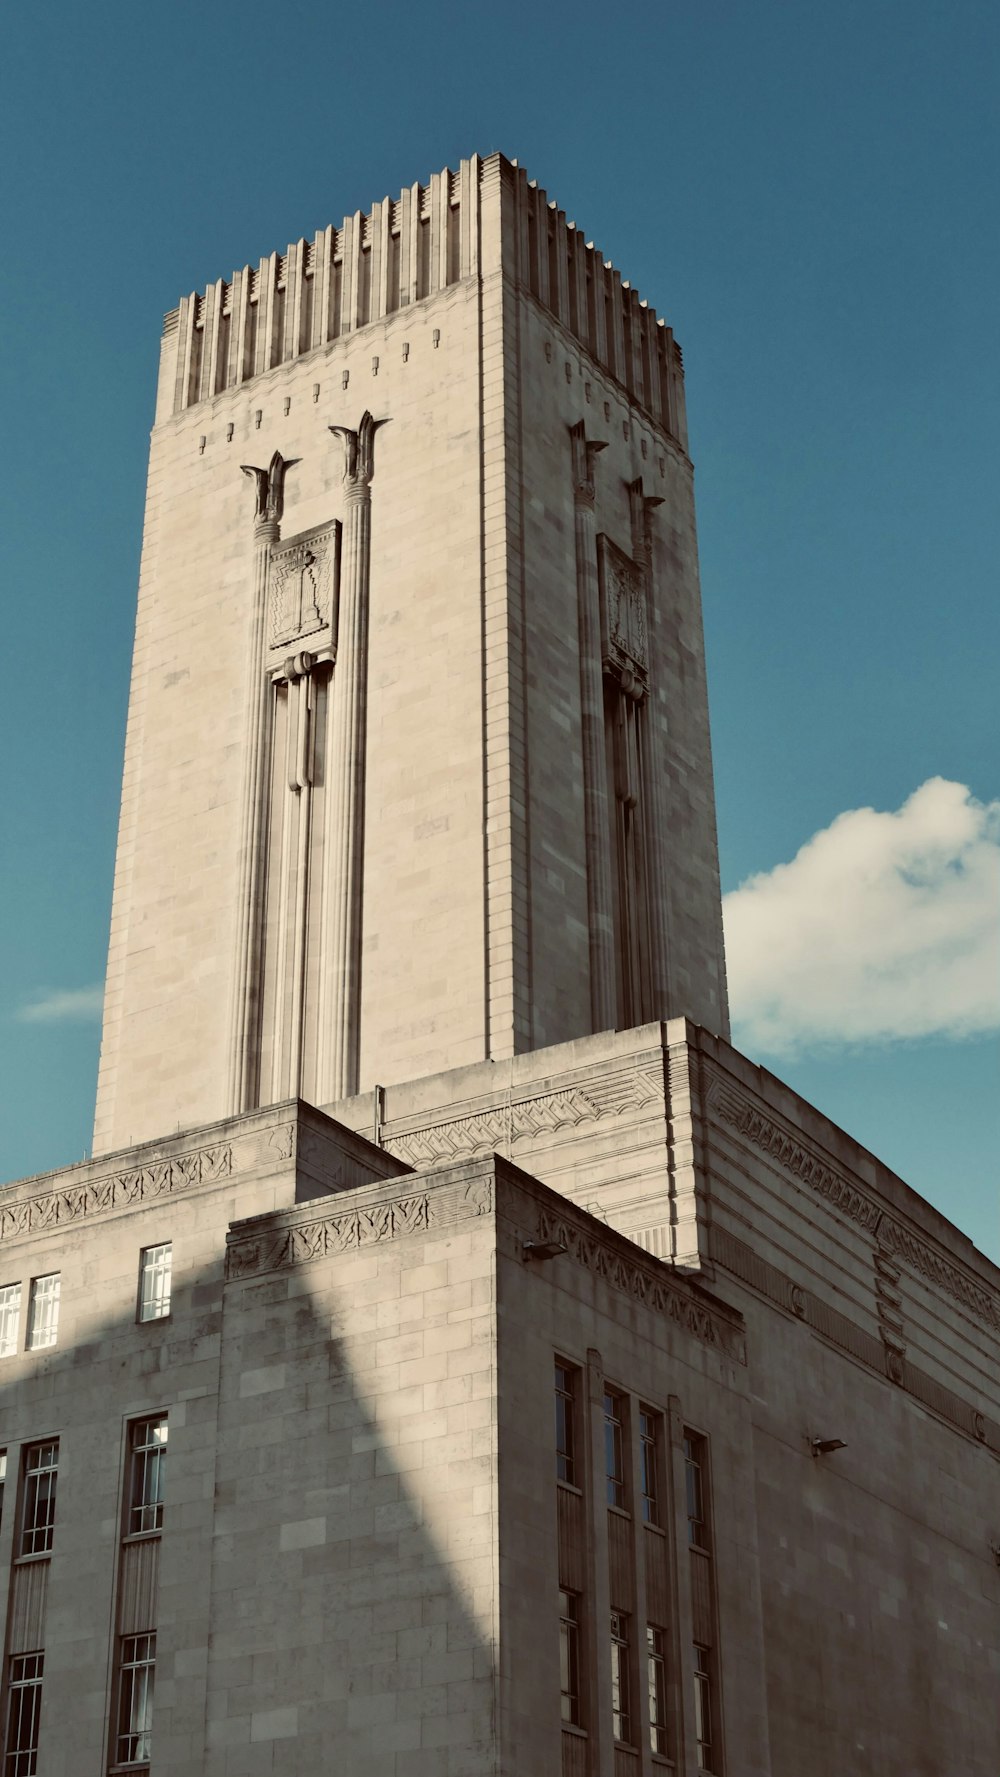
(173, 930)
(475, 932)
(560, 385)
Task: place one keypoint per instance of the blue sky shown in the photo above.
(808, 194)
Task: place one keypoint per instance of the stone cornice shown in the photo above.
(764, 1132)
(524, 1116)
(122, 1189)
(645, 1280)
(278, 1243)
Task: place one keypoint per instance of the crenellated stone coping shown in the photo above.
(403, 251)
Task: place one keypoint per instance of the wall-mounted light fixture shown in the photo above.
(826, 1446)
(542, 1249)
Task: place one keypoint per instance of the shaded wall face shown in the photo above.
(560, 386)
(879, 1590)
(326, 1555)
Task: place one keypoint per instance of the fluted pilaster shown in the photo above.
(642, 507)
(341, 902)
(245, 1002)
(600, 905)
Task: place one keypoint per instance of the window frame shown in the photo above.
(651, 1458)
(621, 1678)
(15, 1755)
(42, 1333)
(567, 1401)
(10, 1319)
(615, 1445)
(158, 1304)
(656, 1690)
(569, 1659)
(41, 1529)
(697, 1483)
(129, 1670)
(704, 1706)
(140, 1465)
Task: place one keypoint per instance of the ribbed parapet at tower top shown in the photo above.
(418, 769)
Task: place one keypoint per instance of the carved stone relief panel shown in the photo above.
(624, 643)
(304, 582)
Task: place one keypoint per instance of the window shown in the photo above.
(135, 1699)
(703, 1705)
(614, 1447)
(39, 1504)
(3, 1478)
(620, 1712)
(24, 1703)
(656, 1679)
(694, 1471)
(43, 1311)
(10, 1316)
(649, 1461)
(569, 1656)
(154, 1282)
(565, 1422)
(148, 1445)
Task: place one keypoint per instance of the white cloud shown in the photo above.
(883, 926)
(63, 1006)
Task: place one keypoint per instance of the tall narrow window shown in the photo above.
(621, 1715)
(38, 1511)
(154, 1281)
(135, 1699)
(24, 1705)
(566, 1468)
(694, 1472)
(43, 1311)
(569, 1657)
(656, 1686)
(148, 1459)
(703, 1706)
(3, 1479)
(614, 1446)
(650, 1424)
(10, 1317)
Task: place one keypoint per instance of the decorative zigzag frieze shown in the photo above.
(323, 1236)
(489, 1131)
(117, 1190)
(647, 1283)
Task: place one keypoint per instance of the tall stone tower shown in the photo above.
(418, 769)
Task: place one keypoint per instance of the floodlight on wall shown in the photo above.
(543, 1249)
(826, 1446)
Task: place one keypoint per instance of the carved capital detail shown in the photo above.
(585, 452)
(269, 490)
(359, 452)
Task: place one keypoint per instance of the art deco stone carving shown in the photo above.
(322, 1236)
(303, 584)
(624, 636)
(652, 1286)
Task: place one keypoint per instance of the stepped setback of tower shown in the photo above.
(418, 770)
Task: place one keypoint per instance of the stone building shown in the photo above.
(457, 1359)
